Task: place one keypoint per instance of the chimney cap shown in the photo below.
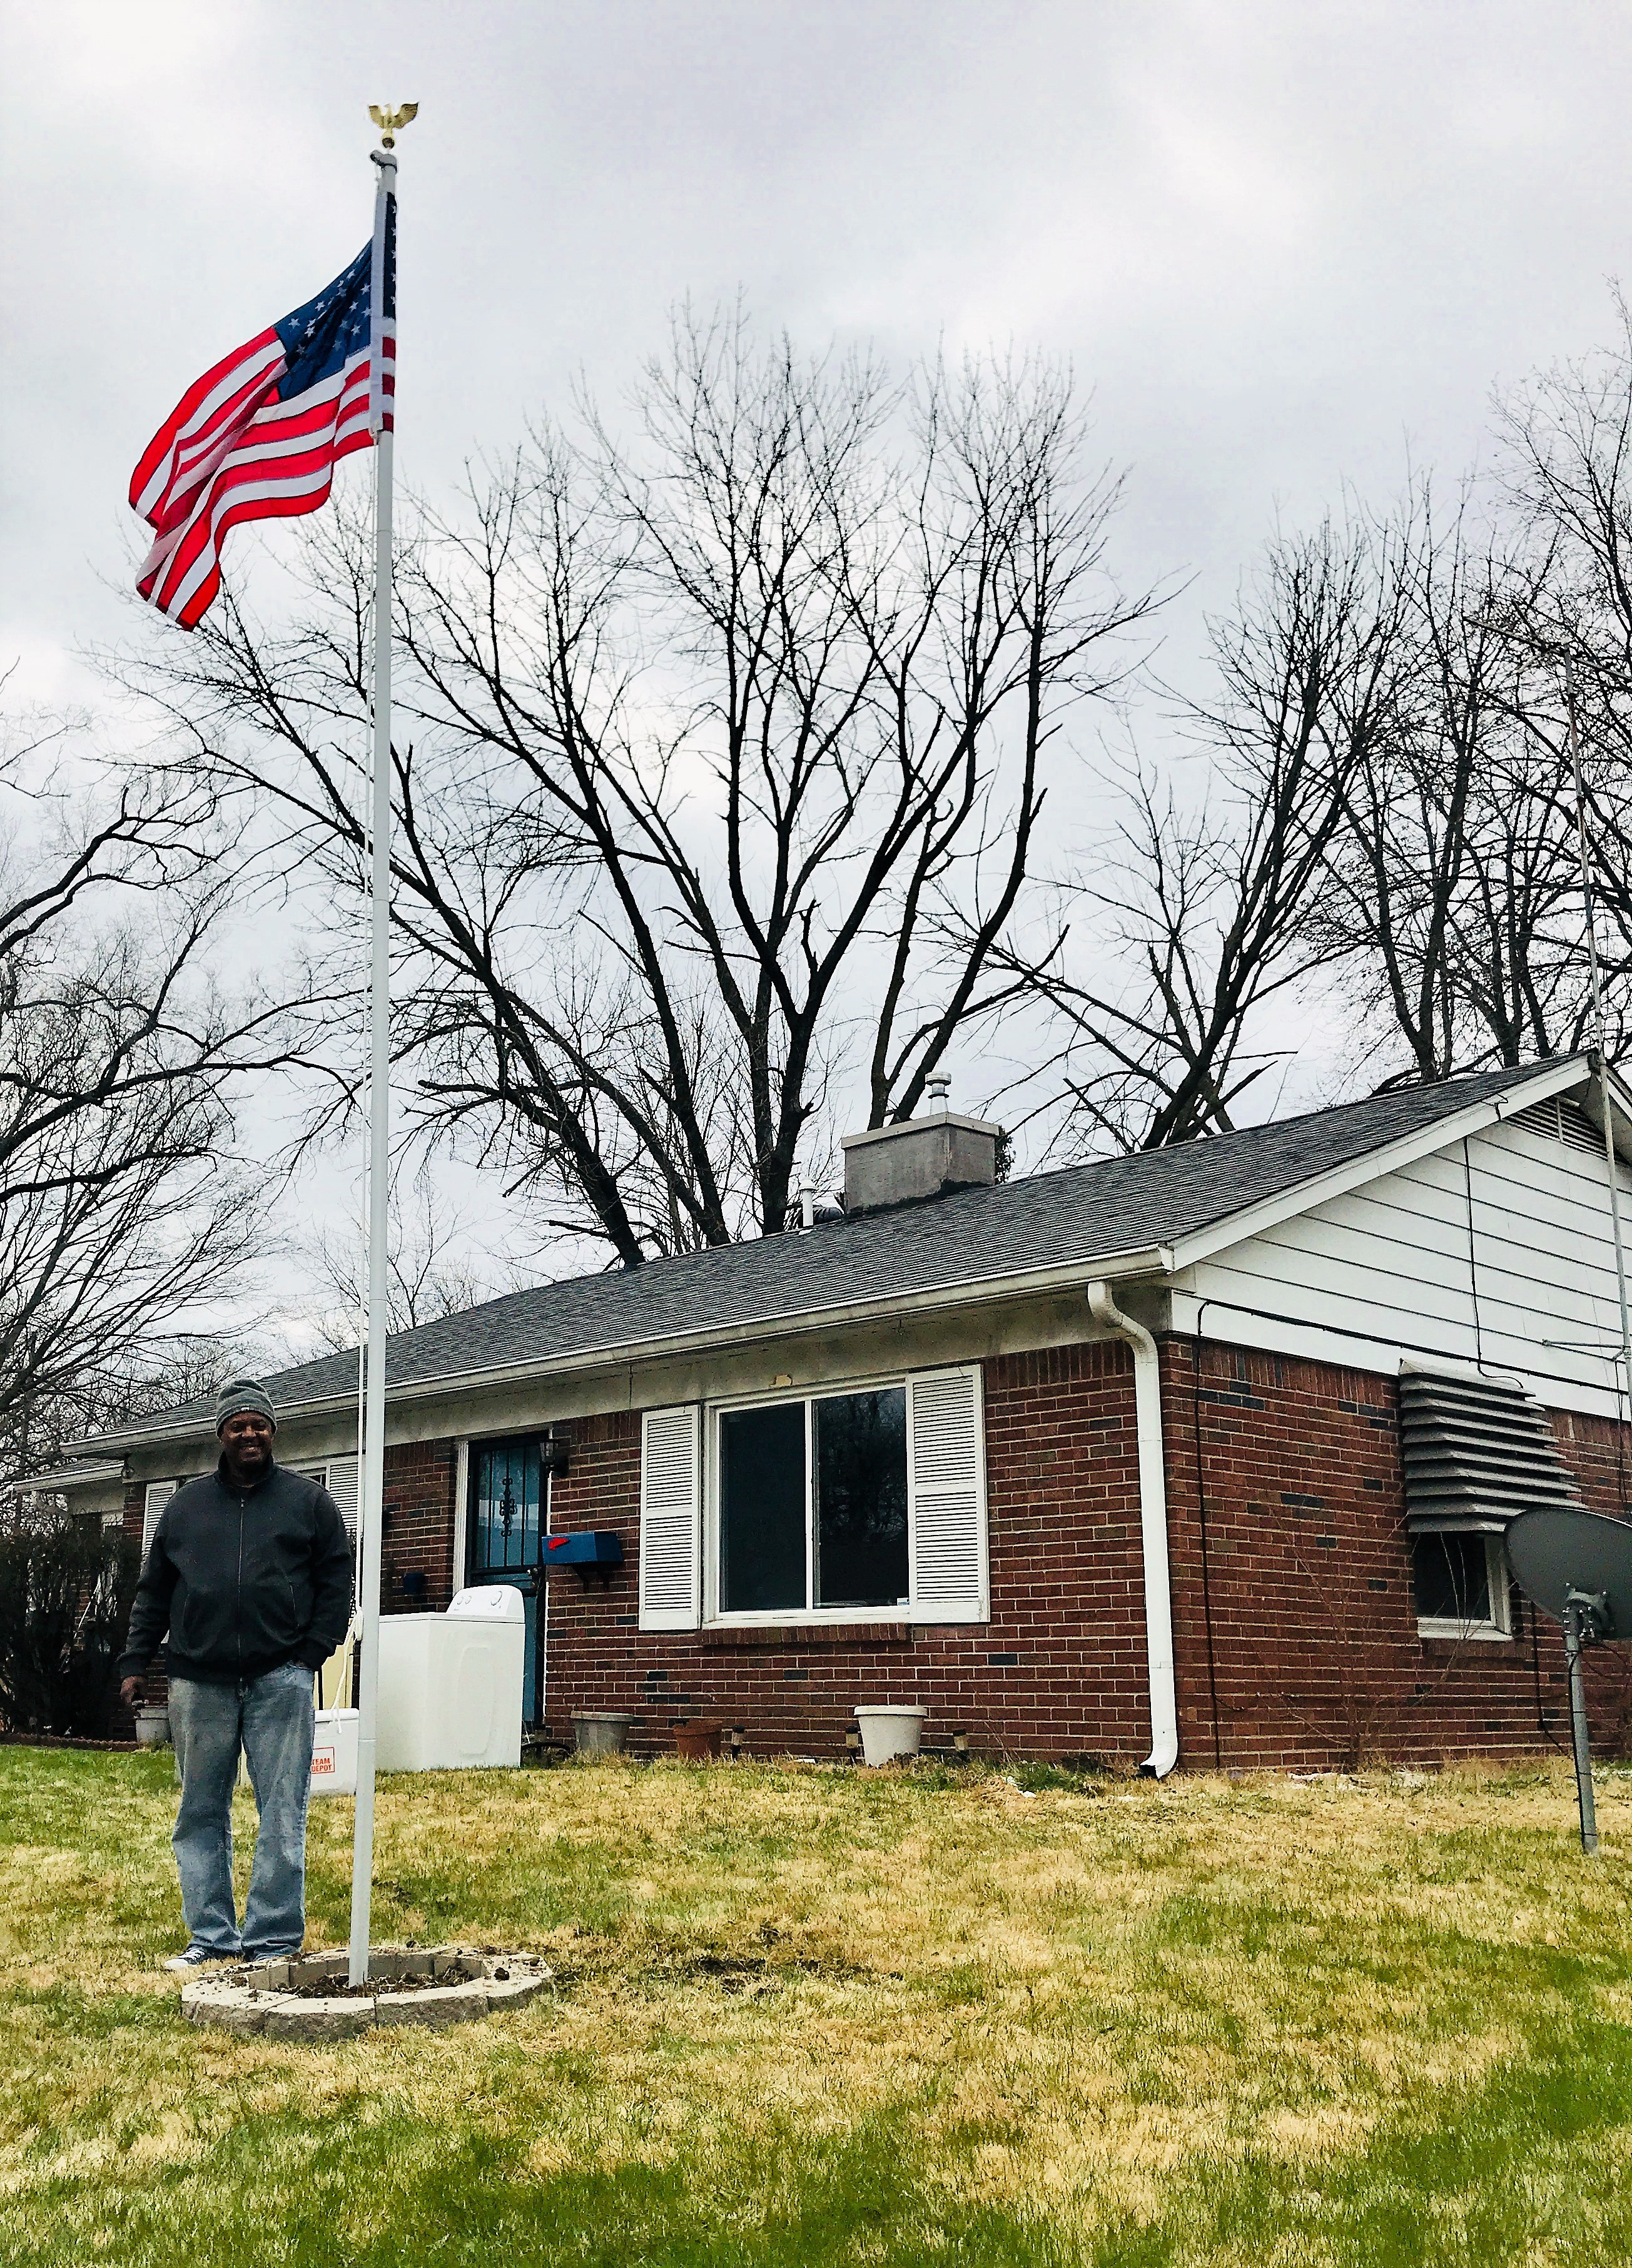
(918, 1158)
(917, 1125)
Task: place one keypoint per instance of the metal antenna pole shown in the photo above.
(1586, 1623)
(371, 1502)
(1598, 1025)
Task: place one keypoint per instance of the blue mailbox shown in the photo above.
(589, 1552)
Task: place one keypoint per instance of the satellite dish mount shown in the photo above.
(1577, 1566)
(1586, 1623)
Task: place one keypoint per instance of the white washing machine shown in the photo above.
(450, 1685)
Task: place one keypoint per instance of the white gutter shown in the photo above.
(1153, 1529)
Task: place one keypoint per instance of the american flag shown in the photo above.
(258, 436)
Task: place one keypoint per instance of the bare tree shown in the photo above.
(1211, 917)
(431, 1271)
(119, 1204)
(1568, 468)
(723, 758)
(1450, 894)
(1391, 804)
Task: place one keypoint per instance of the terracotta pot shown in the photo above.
(698, 1740)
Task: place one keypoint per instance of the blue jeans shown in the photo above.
(270, 1719)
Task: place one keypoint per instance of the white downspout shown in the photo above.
(1153, 1529)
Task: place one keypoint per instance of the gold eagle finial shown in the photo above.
(388, 121)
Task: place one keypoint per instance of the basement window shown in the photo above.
(1459, 1580)
(1477, 1449)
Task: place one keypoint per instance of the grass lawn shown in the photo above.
(806, 2017)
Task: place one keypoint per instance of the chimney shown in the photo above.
(919, 1158)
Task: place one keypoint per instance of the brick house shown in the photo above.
(1201, 1456)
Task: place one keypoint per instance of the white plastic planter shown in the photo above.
(600, 1732)
(334, 1752)
(889, 1734)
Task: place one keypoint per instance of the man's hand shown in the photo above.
(131, 1691)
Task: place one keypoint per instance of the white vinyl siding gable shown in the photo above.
(158, 1495)
(671, 1517)
(946, 1496)
(1395, 1263)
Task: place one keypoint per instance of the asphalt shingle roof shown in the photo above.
(1079, 1213)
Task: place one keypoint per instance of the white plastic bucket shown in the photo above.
(334, 1752)
(600, 1732)
(887, 1734)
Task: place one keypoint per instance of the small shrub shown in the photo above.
(66, 1589)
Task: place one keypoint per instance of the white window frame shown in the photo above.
(810, 1616)
(1497, 1627)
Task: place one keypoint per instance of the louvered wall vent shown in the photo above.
(1563, 1120)
(1476, 1453)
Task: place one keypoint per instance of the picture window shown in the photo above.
(813, 1503)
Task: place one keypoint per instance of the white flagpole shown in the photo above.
(1611, 1166)
(373, 1495)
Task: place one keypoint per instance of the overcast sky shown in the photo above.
(1284, 244)
(1281, 242)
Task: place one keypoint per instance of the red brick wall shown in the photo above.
(1058, 1671)
(1595, 1448)
(156, 1685)
(1315, 1657)
(1314, 1654)
(418, 1534)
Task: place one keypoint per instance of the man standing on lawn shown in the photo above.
(249, 1571)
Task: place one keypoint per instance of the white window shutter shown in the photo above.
(671, 1519)
(158, 1495)
(947, 1497)
(339, 1477)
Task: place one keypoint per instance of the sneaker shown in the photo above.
(196, 1956)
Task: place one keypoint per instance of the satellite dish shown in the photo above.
(1577, 1566)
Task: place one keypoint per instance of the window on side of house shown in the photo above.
(1460, 1581)
(813, 1503)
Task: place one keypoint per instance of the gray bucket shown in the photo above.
(152, 1726)
(600, 1732)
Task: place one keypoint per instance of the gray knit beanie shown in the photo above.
(243, 1395)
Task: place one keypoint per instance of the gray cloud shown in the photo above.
(1277, 241)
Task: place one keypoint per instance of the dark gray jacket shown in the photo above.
(244, 1579)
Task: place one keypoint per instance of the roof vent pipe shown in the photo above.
(938, 1087)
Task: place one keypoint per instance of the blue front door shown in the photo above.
(509, 1514)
